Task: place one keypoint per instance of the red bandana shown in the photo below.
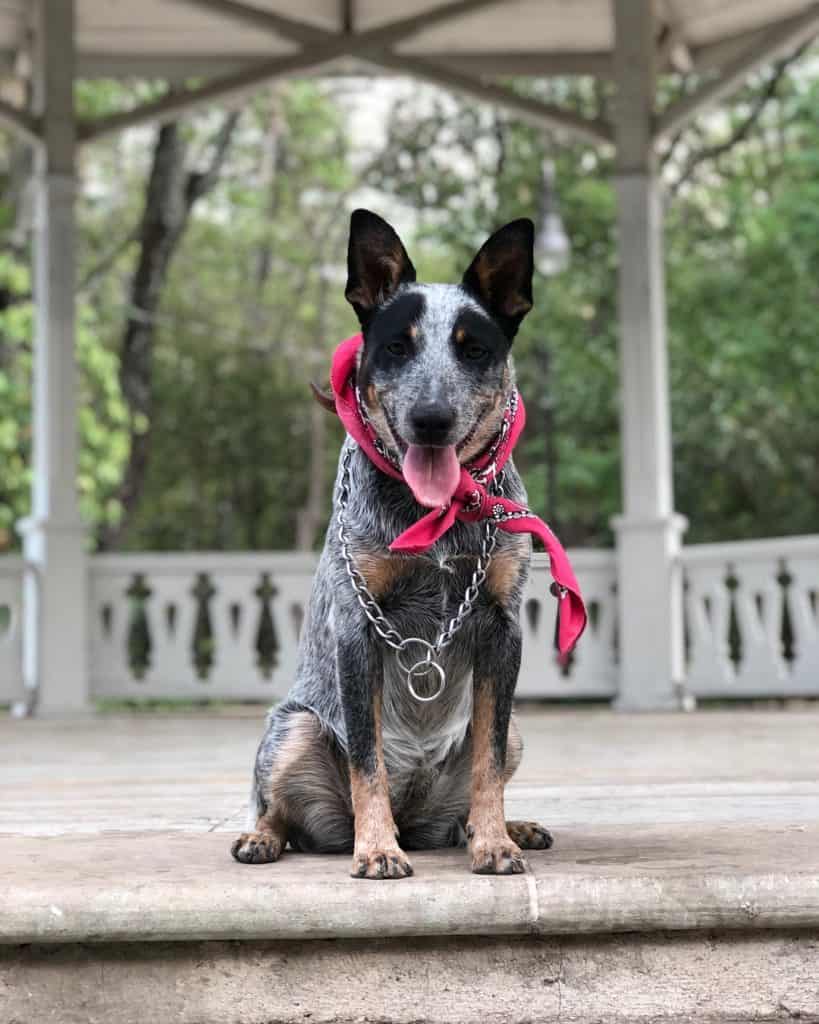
(471, 501)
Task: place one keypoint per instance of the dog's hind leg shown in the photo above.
(267, 826)
(527, 834)
(299, 793)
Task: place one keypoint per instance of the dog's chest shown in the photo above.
(419, 735)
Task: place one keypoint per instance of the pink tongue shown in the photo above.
(432, 473)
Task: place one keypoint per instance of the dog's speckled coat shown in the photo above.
(350, 757)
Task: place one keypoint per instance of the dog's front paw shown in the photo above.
(257, 848)
(529, 835)
(391, 863)
(495, 855)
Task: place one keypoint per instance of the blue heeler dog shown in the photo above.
(351, 761)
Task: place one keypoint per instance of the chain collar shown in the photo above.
(430, 662)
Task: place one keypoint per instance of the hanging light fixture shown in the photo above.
(552, 246)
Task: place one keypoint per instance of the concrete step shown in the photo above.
(640, 923)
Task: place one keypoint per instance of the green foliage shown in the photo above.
(253, 306)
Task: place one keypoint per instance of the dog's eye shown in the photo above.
(474, 352)
(398, 348)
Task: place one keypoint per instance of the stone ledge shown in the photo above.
(766, 977)
(145, 887)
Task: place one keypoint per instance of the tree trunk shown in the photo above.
(169, 199)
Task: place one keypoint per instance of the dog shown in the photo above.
(351, 760)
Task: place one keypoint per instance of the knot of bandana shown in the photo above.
(471, 501)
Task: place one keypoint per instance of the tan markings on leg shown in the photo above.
(528, 835)
(504, 569)
(377, 853)
(514, 750)
(381, 570)
(493, 852)
(266, 844)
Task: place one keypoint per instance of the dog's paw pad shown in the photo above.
(529, 835)
(381, 864)
(257, 848)
(500, 857)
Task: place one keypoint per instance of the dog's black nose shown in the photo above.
(432, 422)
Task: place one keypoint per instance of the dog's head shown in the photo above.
(435, 372)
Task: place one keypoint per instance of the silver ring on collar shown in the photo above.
(421, 669)
(428, 658)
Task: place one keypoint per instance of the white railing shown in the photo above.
(752, 618)
(197, 625)
(227, 626)
(592, 670)
(11, 643)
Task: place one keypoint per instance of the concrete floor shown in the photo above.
(683, 884)
(581, 768)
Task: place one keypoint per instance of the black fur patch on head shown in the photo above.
(389, 337)
(500, 276)
(377, 264)
(479, 343)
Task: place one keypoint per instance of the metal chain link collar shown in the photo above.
(430, 662)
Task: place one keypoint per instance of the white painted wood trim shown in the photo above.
(789, 34)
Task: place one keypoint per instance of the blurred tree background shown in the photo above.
(210, 291)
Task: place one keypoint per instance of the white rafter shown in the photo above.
(787, 34)
(320, 47)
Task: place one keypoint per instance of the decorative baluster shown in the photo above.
(707, 602)
(759, 616)
(202, 647)
(234, 632)
(139, 642)
(267, 639)
(171, 614)
(804, 609)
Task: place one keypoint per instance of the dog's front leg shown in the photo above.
(495, 674)
(376, 853)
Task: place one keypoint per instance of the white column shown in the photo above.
(648, 532)
(56, 607)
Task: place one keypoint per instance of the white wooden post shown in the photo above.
(648, 532)
(56, 606)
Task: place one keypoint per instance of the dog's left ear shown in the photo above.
(377, 263)
(500, 276)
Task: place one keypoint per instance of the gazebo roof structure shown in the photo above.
(216, 49)
(461, 44)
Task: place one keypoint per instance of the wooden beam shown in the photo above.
(324, 47)
(175, 103)
(650, 620)
(634, 72)
(673, 50)
(396, 31)
(56, 612)
(169, 67)
(347, 16)
(546, 115)
(787, 35)
(264, 20)
(20, 122)
(350, 44)
(488, 64)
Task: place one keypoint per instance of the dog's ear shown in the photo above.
(500, 276)
(377, 263)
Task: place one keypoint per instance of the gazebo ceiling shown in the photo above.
(180, 37)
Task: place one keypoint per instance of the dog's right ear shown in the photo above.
(377, 263)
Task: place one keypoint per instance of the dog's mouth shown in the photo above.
(432, 472)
